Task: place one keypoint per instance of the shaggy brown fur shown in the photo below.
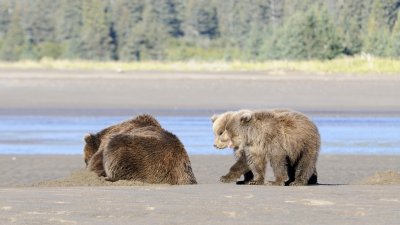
(94, 158)
(149, 154)
(220, 142)
(139, 149)
(93, 140)
(289, 140)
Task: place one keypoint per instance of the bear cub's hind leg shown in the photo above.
(305, 170)
(280, 168)
(248, 176)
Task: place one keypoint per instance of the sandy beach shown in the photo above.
(68, 170)
(172, 93)
(55, 189)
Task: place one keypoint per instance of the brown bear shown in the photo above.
(289, 140)
(240, 167)
(139, 149)
(94, 158)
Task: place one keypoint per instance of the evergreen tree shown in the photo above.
(240, 19)
(5, 11)
(287, 41)
(256, 40)
(351, 25)
(13, 43)
(170, 14)
(127, 16)
(39, 23)
(395, 39)
(95, 40)
(201, 19)
(328, 41)
(276, 8)
(202, 29)
(152, 34)
(143, 39)
(309, 37)
(390, 12)
(69, 27)
(377, 37)
(135, 44)
(4, 20)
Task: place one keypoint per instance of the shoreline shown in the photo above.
(352, 65)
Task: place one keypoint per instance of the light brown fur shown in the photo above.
(221, 141)
(138, 149)
(287, 139)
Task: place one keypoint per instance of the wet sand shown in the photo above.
(54, 189)
(101, 92)
(68, 170)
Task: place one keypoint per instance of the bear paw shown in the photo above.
(256, 182)
(297, 183)
(277, 183)
(226, 179)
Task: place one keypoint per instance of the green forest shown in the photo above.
(179, 30)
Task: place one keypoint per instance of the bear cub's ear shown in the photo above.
(214, 118)
(89, 138)
(245, 117)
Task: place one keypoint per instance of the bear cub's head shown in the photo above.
(221, 138)
(226, 128)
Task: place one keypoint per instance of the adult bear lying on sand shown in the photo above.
(94, 158)
(138, 149)
(288, 139)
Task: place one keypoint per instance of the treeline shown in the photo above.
(130, 30)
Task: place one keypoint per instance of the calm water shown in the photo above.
(63, 135)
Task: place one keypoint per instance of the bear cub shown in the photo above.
(287, 139)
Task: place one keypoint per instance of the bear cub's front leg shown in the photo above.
(240, 167)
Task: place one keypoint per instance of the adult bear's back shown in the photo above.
(148, 154)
